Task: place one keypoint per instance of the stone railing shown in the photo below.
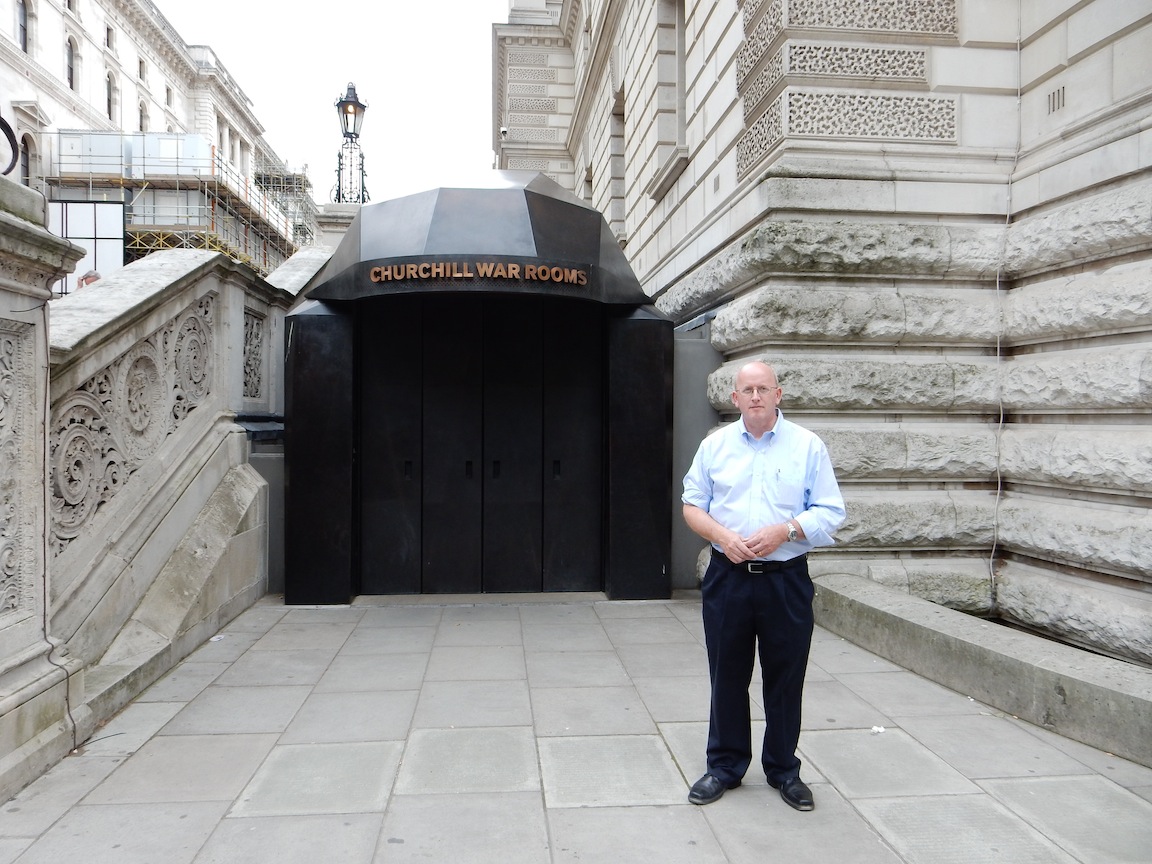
(135, 522)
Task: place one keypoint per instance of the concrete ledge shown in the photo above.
(1102, 702)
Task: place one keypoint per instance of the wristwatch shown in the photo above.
(791, 532)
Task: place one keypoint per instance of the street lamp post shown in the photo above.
(350, 169)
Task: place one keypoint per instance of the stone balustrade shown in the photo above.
(120, 409)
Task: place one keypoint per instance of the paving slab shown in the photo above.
(469, 760)
(359, 716)
(568, 711)
(380, 639)
(958, 829)
(235, 710)
(476, 663)
(128, 834)
(670, 834)
(754, 826)
(988, 746)
(576, 669)
(348, 838)
(373, 672)
(444, 704)
(176, 768)
(185, 682)
(566, 637)
(1091, 817)
(303, 779)
(290, 666)
(131, 729)
(866, 764)
(609, 771)
(480, 828)
(37, 807)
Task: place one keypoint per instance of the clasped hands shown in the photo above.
(761, 544)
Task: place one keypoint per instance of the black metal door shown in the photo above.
(573, 407)
(453, 427)
(391, 445)
(481, 445)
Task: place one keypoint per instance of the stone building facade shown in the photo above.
(935, 218)
(111, 108)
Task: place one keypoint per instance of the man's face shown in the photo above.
(756, 395)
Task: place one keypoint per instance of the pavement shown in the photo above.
(553, 728)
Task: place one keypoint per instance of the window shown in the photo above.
(110, 96)
(70, 72)
(22, 24)
(110, 39)
(143, 117)
(70, 5)
(168, 96)
(142, 71)
(26, 149)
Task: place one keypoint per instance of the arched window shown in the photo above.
(26, 153)
(71, 76)
(22, 24)
(143, 117)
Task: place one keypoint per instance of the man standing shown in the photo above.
(762, 492)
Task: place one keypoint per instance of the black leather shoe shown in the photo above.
(707, 789)
(796, 793)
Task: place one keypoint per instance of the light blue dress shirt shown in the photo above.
(744, 483)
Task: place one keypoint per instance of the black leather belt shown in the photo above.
(756, 567)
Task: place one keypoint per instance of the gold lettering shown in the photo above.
(484, 269)
(513, 271)
(529, 271)
(423, 269)
(374, 274)
(570, 276)
(581, 277)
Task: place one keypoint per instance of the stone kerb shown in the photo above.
(1102, 702)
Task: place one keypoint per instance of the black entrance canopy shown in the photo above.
(521, 234)
(478, 399)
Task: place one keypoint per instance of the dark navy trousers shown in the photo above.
(742, 610)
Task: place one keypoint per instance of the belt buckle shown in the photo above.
(756, 567)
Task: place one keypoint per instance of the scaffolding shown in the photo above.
(179, 193)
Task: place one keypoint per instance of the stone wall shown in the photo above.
(992, 441)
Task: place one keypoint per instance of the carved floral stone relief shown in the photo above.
(16, 439)
(118, 418)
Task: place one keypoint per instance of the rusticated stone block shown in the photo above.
(1090, 228)
(1115, 459)
(1117, 539)
(1113, 378)
(785, 314)
(936, 520)
(1112, 301)
(963, 584)
(1102, 616)
(880, 384)
(906, 451)
(838, 248)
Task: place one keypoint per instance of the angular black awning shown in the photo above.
(521, 233)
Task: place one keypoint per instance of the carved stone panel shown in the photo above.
(18, 500)
(117, 419)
